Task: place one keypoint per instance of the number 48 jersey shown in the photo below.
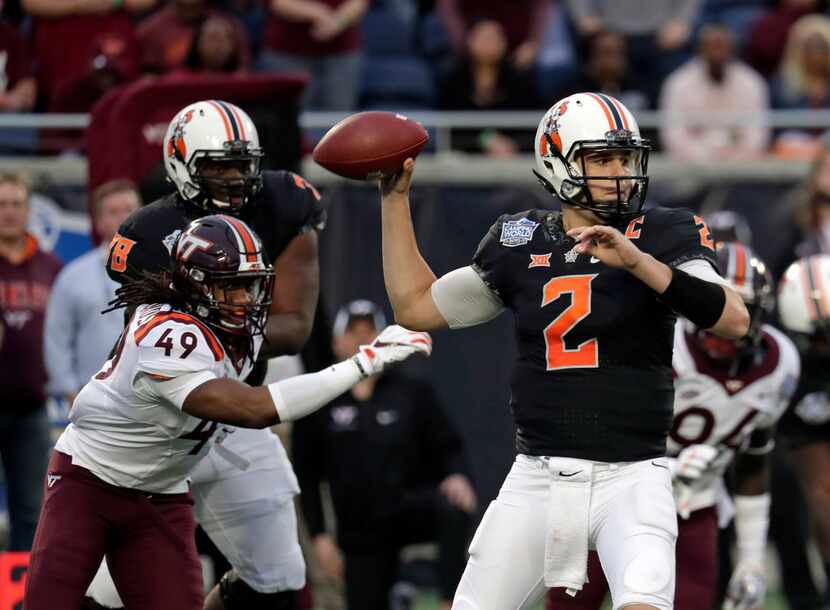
(593, 376)
(126, 426)
(731, 413)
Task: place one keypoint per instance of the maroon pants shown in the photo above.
(147, 539)
(697, 570)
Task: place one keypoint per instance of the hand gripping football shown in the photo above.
(368, 145)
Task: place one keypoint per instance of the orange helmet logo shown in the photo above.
(552, 129)
(176, 146)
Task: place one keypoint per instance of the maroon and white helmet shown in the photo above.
(214, 257)
(218, 131)
(748, 276)
(804, 296)
(591, 121)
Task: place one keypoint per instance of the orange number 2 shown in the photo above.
(559, 356)
(705, 235)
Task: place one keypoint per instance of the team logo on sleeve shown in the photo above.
(571, 255)
(517, 232)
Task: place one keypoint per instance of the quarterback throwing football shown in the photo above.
(117, 484)
(595, 291)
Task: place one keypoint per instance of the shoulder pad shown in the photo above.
(172, 343)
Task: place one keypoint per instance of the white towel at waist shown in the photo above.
(569, 509)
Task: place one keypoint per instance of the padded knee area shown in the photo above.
(237, 595)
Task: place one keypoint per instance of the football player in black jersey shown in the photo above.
(804, 308)
(595, 291)
(244, 488)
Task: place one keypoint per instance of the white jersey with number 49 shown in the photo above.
(127, 424)
(713, 408)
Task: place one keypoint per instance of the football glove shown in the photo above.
(687, 467)
(747, 588)
(394, 344)
(693, 461)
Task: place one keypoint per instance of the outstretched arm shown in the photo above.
(232, 402)
(721, 308)
(407, 275)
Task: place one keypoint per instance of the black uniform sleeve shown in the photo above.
(495, 262)
(441, 444)
(307, 447)
(131, 252)
(680, 236)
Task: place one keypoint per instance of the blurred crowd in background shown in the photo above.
(702, 56)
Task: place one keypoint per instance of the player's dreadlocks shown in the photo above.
(146, 289)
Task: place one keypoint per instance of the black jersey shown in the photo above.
(285, 207)
(807, 420)
(593, 377)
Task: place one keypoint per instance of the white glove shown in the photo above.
(693, 461)
(686, 468)
(394, 344)
(747, 588)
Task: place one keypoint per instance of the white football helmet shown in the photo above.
(596, 122)
(804, 296)
(217, 131)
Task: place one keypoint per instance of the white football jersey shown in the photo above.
(128, 428)
(712, 408)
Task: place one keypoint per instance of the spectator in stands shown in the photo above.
(78, 337)
(26, 276)
(167, 36)
(110, 64)
(65, 33)
(217, 47)
(606, 69)
(252, 14)
(657, 32)
(18, 88)
(321, 37)
(485, 79)
(523, 22)
(768, 35)
(714, 81)
(397, 472)
(803, 82)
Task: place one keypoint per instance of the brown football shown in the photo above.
(367, 145)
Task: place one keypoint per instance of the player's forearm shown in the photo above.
(734, 321)
(711, 306)
(232, 402)
(407, 276)
(652, 273)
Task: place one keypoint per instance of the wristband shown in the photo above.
(697, 300)
(117, 4)
(751, 525)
